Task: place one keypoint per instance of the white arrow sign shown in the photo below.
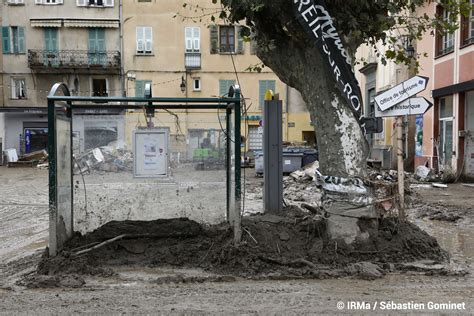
(401, 92)
(412, 106)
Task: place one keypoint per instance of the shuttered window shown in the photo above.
(263, 86)
(13, 40)
(224, 86)
(51, 39)
(226, 39)
(95, 3)
(49, 1)
(144, 40)
(193, 39)
(6, 39)
(140, 87)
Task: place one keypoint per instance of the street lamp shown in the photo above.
(183, 84)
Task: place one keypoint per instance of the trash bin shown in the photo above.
(291, 161)
(309, 156)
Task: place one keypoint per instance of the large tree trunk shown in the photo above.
(286, 48)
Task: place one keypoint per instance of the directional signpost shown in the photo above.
(398, 102)
(401, 92)
(412, 106)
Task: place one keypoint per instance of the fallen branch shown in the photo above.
(284, 262)
(85, 246)
(207, 253)
(248, 232)
(102, 244)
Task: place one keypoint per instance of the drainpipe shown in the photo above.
(122, 58)
(287, 101)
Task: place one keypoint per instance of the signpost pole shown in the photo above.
(401, 172)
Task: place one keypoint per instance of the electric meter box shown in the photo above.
(150, 153)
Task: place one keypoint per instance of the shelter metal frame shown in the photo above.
(60, 115)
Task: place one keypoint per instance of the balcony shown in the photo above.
(192, 61)
(78, 61)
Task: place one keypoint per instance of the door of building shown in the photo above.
(97, 55)
(469, 158)
(50, 56)
(446, 131)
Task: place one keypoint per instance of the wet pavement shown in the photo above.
(23, 234)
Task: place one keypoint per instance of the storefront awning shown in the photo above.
(46, 22)
(75, 23)
(91, 23)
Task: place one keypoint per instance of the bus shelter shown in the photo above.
(172, 170)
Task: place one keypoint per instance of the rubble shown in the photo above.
(423, 173)
(107, 158)
(26, 160)
(38, 156)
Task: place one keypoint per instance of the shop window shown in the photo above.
(99, 133)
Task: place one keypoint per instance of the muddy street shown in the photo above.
(171, 289)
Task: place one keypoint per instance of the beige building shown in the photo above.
(374, 77)
(48, 41)
(185, 55)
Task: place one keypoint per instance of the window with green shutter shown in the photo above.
(6, 39)
(50, 39)
(265, 85)
(13, 40)
(96, 47)
(140, 87)
(224, 86)
(21, 40)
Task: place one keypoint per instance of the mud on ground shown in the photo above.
(451, 204)
(273, 247)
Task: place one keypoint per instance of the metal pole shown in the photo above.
(53, 210)
(401, 172)
(272, 154)
(228, 162)
(237, 153)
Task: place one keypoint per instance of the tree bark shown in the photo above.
(285, 47)
(342, 146)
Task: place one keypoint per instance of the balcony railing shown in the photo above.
(63, 59)
(192, 60)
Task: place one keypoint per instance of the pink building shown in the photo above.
(448, 128)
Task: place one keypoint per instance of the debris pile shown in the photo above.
(105, 158)
(274, 247)
(33, 159)
(300, 186)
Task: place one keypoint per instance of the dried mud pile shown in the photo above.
(272, 246)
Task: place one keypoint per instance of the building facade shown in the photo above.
(49, 41)
(375, 77)
(448, 129)
(182, 51)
